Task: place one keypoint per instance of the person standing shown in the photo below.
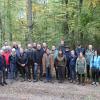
(13, 65)
(22, 62)
(72, 65)
(88, 55)
(95, 68)
(6, 54)
(68, 54)
(81, 68)
(30, 56)
(2, 69)
(38, 68)
(60, 63)
(47, 63)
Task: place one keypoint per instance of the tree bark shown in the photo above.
(29, 19)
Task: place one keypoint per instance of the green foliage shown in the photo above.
(52, 21)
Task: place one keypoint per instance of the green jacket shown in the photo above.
(81, 66)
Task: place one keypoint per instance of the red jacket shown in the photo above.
(7, 55)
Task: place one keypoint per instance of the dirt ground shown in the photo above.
(48, 91)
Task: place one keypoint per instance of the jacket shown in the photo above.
(81, 66)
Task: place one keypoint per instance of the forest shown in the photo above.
(75, 21)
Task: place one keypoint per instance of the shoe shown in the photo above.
(5, 83)
(35, 80)
(1, 84)
(29, 80)
(41, 79)
(93, 83)
(71, 81)
(97, 83)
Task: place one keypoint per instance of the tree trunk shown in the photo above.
(9, 20)
(29, 19)
(1, 31)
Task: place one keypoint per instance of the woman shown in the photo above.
(2, 69)
(60, 63)
(95, 68)
(48, 65)
(81, 68)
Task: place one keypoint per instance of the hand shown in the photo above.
(22, 65)
(6, 69)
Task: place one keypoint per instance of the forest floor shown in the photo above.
(48, 91)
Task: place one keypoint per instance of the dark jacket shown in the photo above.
(22, 59)
(2, 63)
(72, 60)
(13, 59)
(67, 54)
(78, 50)
(30, 55)
(38, 56)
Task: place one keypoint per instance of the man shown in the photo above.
(38, 68)
(22, 62)
(30, 56)
(89, 54)
(79, 49)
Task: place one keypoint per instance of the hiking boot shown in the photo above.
(1, 84)
(93, 83)
(5, 83)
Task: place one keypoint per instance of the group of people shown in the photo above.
(38, 62)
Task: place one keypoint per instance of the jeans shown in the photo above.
(13, 71)
(72, 72)
(48, 73)
(38, 70)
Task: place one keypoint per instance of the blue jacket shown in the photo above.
(13, 59)
(94, 62)
(72, 60)
(78, 50)
(67, 54)
(99, 62)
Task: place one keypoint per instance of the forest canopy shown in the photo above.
(75, 21)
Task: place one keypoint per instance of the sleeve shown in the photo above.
(91, 64)
(17, 60)
(85, 63)
(43, 63)
(98, 63)
(76, 64)
(26, 60)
